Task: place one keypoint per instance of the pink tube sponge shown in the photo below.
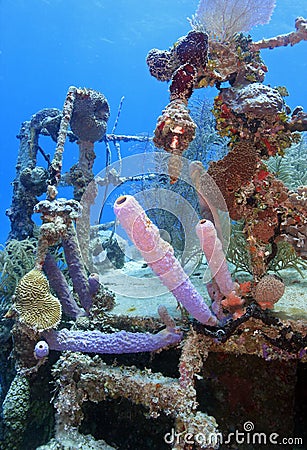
(224, 286)
(213, 250)
(159, 255)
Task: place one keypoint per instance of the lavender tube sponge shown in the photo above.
(41, 350)
(159, 255)
(76, 269)
(59, 285)
(119, 342)
(93, 283)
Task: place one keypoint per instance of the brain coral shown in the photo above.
(35, 305)
(268, 291)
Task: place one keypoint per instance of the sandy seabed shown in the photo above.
(139, 292)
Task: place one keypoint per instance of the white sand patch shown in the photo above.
(139, 292)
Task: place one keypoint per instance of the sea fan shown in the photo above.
(207, 145)
(291, 168)
(222, 19)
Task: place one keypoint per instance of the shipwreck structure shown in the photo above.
(59, 325)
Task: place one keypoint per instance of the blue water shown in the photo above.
(48, 45)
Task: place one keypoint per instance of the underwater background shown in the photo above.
(46, 46)
(199, 326)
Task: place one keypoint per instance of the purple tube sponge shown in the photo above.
(93, 283)
(41, 350)
(117, 343)
(76, 269)
(60, 286)
(159, 255)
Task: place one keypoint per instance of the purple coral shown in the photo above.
(191, 49)
(182, 82)
(161, 64)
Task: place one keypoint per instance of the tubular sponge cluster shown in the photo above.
(159, 255)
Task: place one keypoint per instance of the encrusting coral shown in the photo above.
(14, 411)
(292, 38)
(153, 390)
(255, 113)
(71, 438)
(256, 120)
(30, 182)
(190, 49)
(57, 216)
(175, 129)
(174, 132)
(90, 115)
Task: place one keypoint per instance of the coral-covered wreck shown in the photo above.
(229, 362)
